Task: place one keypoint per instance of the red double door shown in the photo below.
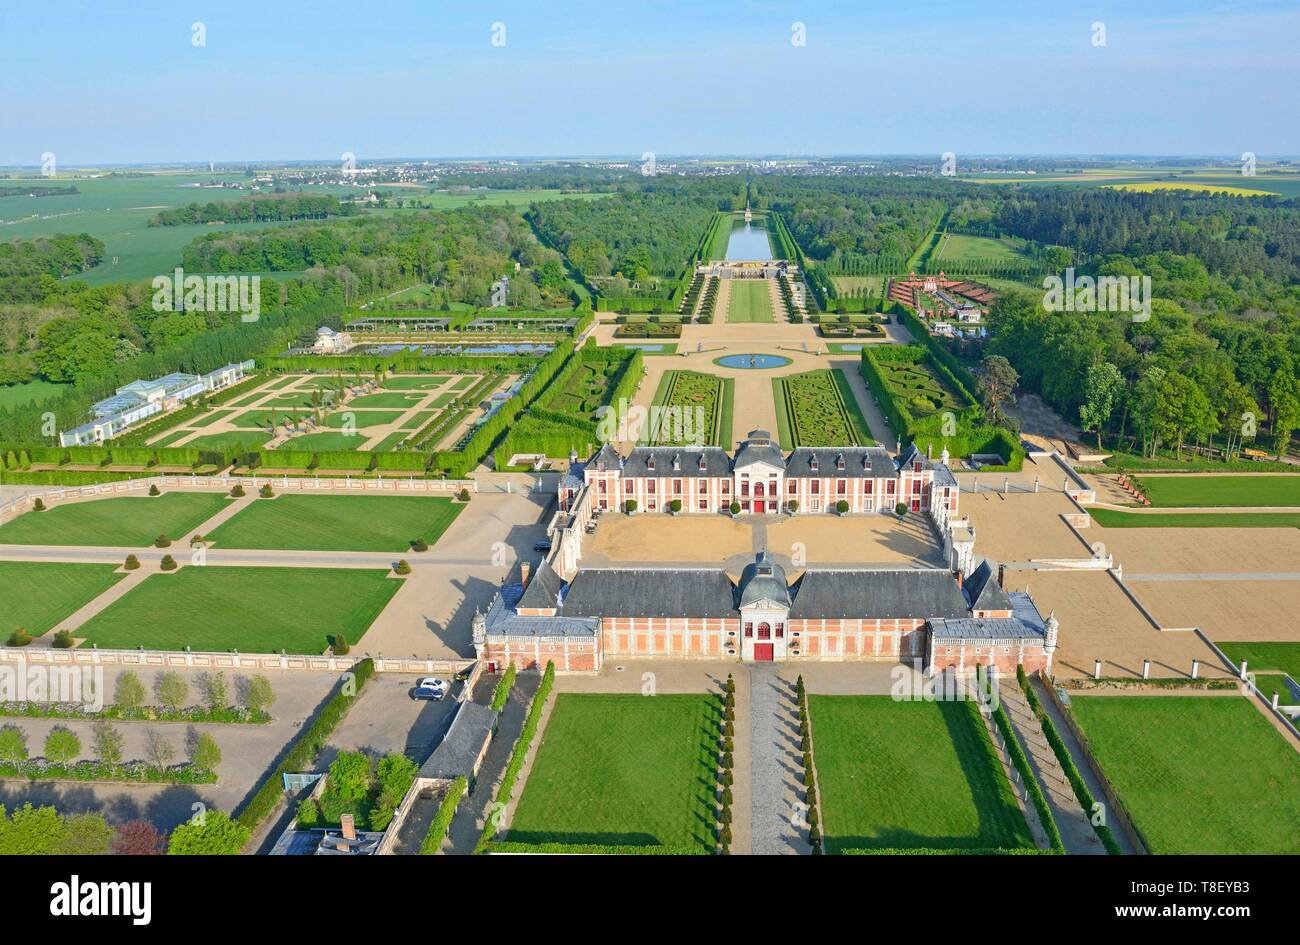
(763, 652)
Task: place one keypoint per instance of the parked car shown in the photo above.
(430, 688)
(543, 546)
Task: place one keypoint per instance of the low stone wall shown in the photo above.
(233, 661)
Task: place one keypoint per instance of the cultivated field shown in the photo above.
(253, 610)
(910, 775)
(39, 595)
(624, 770)
(124, 521)
(1198, 774)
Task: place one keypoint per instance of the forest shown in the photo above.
(270, 208)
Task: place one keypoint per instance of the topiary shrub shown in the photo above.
(340, 645)
(63, 640)
(901, 509)
(19, 637)
(842, 506)
(675, 506)
(629, 506)
(265, 492)
(237, 491)
(419, 545)
(38, 506)
(735, 507)
(463, 495)
(131, 563)
(792, 506)
(153, 490)
(168, 563)
(162, 541)
(402, 567)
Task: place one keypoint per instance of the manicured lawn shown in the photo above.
(390, 442)
(387, 399)
(253, 610)
(443, 399)
(1113, 518)
(210, 418)
(1284, 657)
(418, 419)
(414, 382)
(129, 521)
(910, 775)
(324, 441)
(1199, 774)
(360, 418)
(50, 592)
(623, 770)
(337, 523)
(1184, 491)
(750, 301)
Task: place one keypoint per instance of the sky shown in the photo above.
(123, 81)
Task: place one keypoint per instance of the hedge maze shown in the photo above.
(817, 408)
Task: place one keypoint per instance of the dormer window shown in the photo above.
(916, 465)
(812, 463)
(839, 461)
(703, 464)
(650, 462)
(866, 462)
(677, 462)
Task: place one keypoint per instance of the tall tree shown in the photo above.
(998, 381)
(1101, 391)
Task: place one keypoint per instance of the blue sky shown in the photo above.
(115, 81)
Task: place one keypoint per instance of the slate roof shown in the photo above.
(455, 754)
(983, 628)
(543, 589)
(982, 590)
(716, 461)
(860, 462)
(943, 476)
(650, 592)
(503, 620)
(606, 458)
(764, 579)
(759, 448)
(919, 592)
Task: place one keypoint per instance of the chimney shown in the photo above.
(1002, 576)
(524, 570)
(348, 826)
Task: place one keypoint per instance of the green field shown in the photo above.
(233, 439)
(1113, 518)
(394, 400)
(1198, 774)
(1246, 490)
(414, 382)
(337, 523)
(1283, 657)
(126, 521)
(327, 441)
(701, 415)
(253, 610)
(360, 419)
(623, 770)
(955, 247)
(30, 393)
(909, 775)
(749, 301)
(817, 408)
(50, 592)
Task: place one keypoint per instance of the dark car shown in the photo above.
(543, 545)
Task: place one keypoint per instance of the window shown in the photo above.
(677, 487)
(704, 505)
(603, 487)
(816, 487)
(650, 487)
(627, 486)
(726, 487)
(866, 486)
(744, 487)
(790, 486)
(840, 486)
(749, 629)
(652, 505)
(780, 630)
(704, 485)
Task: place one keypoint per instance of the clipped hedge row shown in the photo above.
(517, 756)
(187, 457)
(305, 748)
(1035, 791)
(941, 354)
(1053, 737)
(582, 849)
(930, 851)
(502, 691)
(132, 772)
(442, 819)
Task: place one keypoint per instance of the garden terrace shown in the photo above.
(817, 408)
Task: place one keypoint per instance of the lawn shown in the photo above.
(29, 393)
(1113, 518)
(910, 775)
(955, 247)
(749, 301)
(127, 521)
(1245, 490)
(1283, 657)
(817, 408)
(207, 419)
(253, 610)
(324, 441)
(360, 418)
(414, 382)
(623, 770)
(1198, 774)
(387, 399)
(337, 523)
(231, 440)
(50, 592)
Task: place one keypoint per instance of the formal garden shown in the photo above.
(121, 521)
(817, 408)
(910, 777)
(695, 409)
(338, 523)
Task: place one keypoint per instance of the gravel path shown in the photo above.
(776, 768)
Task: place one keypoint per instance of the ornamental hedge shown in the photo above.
(1027, 775)
(442, 819)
